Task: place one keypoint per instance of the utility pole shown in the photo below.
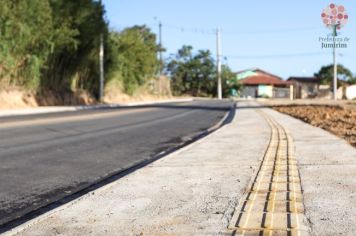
(218, 63)
(160, 48)
(101, 58)
(160, 59)
(335, 65)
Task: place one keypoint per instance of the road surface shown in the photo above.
(47, 157)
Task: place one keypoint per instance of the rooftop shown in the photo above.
(304, 79)
(257, 76)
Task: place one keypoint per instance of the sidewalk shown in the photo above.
(327, 166)
(195, 190)
(53, 109)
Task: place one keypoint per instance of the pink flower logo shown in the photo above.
(334, 15)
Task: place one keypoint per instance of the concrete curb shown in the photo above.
(57, 109)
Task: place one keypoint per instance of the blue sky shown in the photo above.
(279, 36)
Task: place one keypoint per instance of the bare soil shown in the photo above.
(15, 98)
(19, 98)
(338, 120)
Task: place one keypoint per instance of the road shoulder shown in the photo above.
(192, 191)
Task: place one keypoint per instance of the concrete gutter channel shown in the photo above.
(195, 190)
(115, 175)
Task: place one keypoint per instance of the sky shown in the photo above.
(279, 36)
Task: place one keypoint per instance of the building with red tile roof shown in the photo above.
(259, 83)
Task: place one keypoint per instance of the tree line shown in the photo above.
(53, 45)
(50, 44)
(326, 75)
(195, 73)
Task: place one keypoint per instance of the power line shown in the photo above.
(266, 56)
(210, 31)
(262, 56)
(272, 31)
(197, 30)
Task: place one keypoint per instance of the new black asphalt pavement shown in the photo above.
(46, 157)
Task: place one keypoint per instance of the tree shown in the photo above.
(326, 74)
(192, 74)
(133, 57)
(26, 27)
(352, 81)
(73, 63)
(50, 44)
(196, 74)
(229, 81)
(177, 68)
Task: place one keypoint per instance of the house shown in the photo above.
(305, 87)
(345, 90)
(350, 92)
(259, 83)
(311, 87)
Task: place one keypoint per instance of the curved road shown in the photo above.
(47, 157)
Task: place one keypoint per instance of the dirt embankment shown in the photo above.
(16, 97)
(338, 120)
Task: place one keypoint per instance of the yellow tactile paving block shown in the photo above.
(271, 233)
(285, 196)
(282, 178)
(273, 204)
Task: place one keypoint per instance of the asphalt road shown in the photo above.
(46, 157)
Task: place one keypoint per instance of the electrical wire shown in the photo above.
(199, 30)
(287, 55)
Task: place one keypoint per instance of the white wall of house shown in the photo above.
(346, 92)
(351, 92)
(265, 90)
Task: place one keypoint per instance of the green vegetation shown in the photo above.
(132, 57)
(230, 83)
(326, 74)
(53, 46)
(50, 44)
(195, 74)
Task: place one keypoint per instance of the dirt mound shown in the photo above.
(51, 98)
(337, 120)
(17, 98)
(156, 89)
